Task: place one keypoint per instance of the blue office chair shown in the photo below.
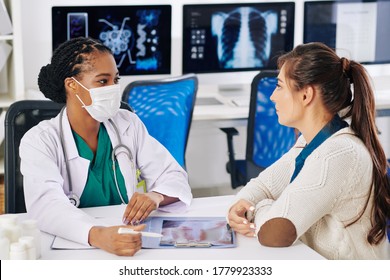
(267, 140)
(388, 230)
(388, 218)
(165, 106)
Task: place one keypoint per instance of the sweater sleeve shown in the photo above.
(271, 182)
(327, 178)
(337, 171)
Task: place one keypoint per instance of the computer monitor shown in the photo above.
(357, 29)
(239, 37)
(139, 36)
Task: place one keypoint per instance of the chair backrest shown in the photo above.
(165, 106)
(20, 117)
(267, 140)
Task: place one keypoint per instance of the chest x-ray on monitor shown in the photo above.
(236, 37)
(244, 37)
(139, 36)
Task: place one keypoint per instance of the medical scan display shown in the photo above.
(356, 29)
(236, 37)
(139, 36)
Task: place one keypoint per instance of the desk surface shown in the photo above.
(247, 248)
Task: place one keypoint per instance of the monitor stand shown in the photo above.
(237, 95)
(234, 90)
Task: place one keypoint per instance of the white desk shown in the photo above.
(247, 248)
(219, 112)
(382, 105)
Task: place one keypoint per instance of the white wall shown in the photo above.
(207, 149)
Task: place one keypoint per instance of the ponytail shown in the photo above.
(362, 112)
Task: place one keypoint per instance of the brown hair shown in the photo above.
(316, 64)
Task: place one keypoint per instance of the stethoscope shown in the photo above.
(75, 199)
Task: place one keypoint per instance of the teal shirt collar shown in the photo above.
(328, 130)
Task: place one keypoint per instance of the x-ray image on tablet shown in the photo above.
(195, 231)
(189, 232)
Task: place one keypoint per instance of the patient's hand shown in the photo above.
(240, 218)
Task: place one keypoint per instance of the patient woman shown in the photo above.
(330, 190)
(94, 154)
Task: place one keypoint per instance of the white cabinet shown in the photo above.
(14, 65)
(12, 83)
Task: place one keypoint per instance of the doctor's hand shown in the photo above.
(140, 206)
(240, 218)
(108, 239)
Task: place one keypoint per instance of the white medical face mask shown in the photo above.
(105, 101)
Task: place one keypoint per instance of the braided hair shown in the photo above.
(69, 59)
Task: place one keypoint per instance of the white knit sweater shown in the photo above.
(328, 193)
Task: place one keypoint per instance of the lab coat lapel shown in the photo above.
(78, 166)
(127, 168)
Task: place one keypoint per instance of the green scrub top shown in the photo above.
(100, 189)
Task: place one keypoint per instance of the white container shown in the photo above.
(29, 244)
(4, 245)
(17, 251)
(30, 228)
(12, 229)
(8, 219)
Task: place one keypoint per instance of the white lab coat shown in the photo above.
(46, 183)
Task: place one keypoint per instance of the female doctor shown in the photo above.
(94, 154)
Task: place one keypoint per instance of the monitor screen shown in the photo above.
(236, 37)
(356, 29)
(139, 36)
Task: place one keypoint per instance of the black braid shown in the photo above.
(68, 60)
